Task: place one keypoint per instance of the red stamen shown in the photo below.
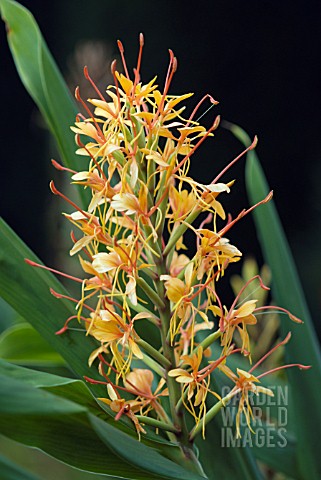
(301, 367)
(113, 72)
(58, 166)
(275, 307)
(34, 264)
(244, 212)
(88, 77)
(121, 49)
(57, 192)
(139, 59)
(264, 287)
(123, 410)
(82, 145)
(213, 127)
(251, 147)
(60, 295)
(172, 67)
(214, 102)
(283, 342)
(65, 327)
(91, 380)
(98, 129)
(103, 360)
(155, 207)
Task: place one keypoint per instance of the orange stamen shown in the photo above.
(82, 145)
(212, 100)
(34, 264)
(139, 60)
(60, 295)
(57, 192)
(88, 77)
(80, 100)
(58, 166)
(213, 127)
(251, 147)
(121, 49)
(113, 72)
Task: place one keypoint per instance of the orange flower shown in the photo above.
(139, 382)
(120, 406)
(235, 319)
(117, 334)
(195, 383)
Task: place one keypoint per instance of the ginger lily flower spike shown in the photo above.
(142, 299)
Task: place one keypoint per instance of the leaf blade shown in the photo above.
(288, 293)
(40, 76)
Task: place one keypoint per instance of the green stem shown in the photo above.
(141, 309)
(156, 423)
(174, 388)
(179, 231)
(154, 353)
(208, 341)
(151, 363)
(209, 416)
(150, 292)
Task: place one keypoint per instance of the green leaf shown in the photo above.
(41, 78)
(303, 347)
(281, 457)
(66, 423)
(40, 75)
(22, 344)
(220, 461)
(142, 456)
(8, 316)
(26, 289)
(69, 388)
(11, 471)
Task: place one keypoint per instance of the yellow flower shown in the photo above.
(120, 406)
(178, 263)
(181, 202)
(245, 382)
(181, 294)
(118, 334)
(139, 382)
(214, 252)
(122, 257)
(92, 229)
(236, 319)
(195, 383)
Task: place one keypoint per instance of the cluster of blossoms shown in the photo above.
(137, 146)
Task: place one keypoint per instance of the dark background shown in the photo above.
(260, 59)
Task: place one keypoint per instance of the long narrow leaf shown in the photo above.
(26, 289)
(66, 423)
(22, 344)
(41, 77)
(12, 471)
(287, 291)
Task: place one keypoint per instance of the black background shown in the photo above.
(260, 59)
